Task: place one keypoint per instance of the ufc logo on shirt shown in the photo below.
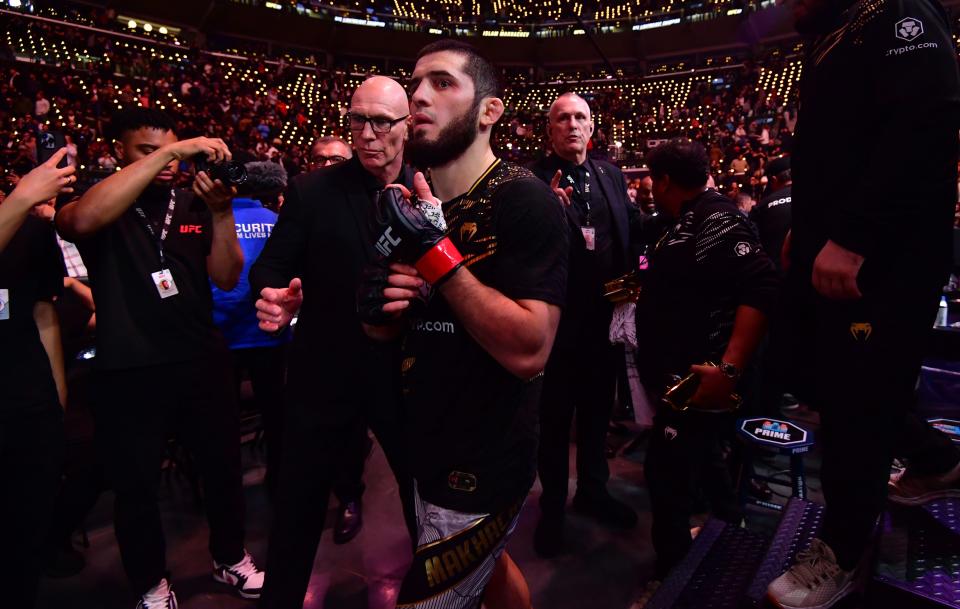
(386, 242)
(195, 229)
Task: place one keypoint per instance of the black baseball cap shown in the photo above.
(777, 166)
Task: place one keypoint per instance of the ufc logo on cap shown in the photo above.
(191, 228)
(387, 242)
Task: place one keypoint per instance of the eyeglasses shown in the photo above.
(323, 160)
(378, 124)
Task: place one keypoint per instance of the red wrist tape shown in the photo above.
(438, 261)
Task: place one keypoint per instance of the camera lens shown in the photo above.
(235, 172)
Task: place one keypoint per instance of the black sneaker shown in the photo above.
(548, 537)
(349, 522)
(64, 561)
(606, 510)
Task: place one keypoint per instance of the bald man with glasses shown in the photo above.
(337, 377)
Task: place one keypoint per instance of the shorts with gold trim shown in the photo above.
(455, 556)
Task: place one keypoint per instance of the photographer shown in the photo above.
(151, 251)
(31, 377)
(39, 186)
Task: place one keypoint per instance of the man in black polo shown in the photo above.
(582, 372)
(151, 251)
(705, 298)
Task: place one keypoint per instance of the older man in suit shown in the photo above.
(336, 375)
(581, 374)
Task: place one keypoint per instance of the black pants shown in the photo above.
(83, 475)
(135, 412)
(266, 369)
(684, 464)
(317, 449)
(861, 364)
(580, 378)
(31, 447)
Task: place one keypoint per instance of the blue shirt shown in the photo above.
(234, 311)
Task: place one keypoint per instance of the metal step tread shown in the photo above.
(715, 572)
(798, 526)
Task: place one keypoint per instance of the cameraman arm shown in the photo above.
(108, 200)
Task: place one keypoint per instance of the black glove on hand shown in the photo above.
(405, 234)
(370, 298)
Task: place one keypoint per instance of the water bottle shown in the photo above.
(941, 313)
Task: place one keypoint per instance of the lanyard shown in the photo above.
(166, 226)
(582, 196)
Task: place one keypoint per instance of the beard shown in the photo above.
(452, 141)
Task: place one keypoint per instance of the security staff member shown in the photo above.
(581, 374)
(772, 214)
(868, 261)
(337, 378)
(151, 251)
(705, 298)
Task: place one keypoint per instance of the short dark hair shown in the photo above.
(477, 67)
(684, 160)
(131, 119)
(328, 139)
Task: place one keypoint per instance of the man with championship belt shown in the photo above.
(479, 302)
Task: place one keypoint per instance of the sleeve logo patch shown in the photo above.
(743, 248)
(909, 29)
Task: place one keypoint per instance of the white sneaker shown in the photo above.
(815, 581)
(160, 596)
(245, 577)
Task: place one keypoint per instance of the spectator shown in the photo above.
(42, 107)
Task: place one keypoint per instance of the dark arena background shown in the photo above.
(275, 81)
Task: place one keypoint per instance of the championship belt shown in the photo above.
(625, 288)
(439, 566)
(682, 390)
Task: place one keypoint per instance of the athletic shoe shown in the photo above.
(606, 510)
(160, 596)
(245, 577)
(548, 536)
(815, 581)
(349, 522)
(789, 402)
(906, 489)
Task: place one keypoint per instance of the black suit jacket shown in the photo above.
(622, 212)
(323, 236)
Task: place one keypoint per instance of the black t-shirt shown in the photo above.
(31, 271)
(772, 217)
(704, 267)
(472, 425)
(135, 326)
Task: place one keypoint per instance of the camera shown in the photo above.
(231, 173)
